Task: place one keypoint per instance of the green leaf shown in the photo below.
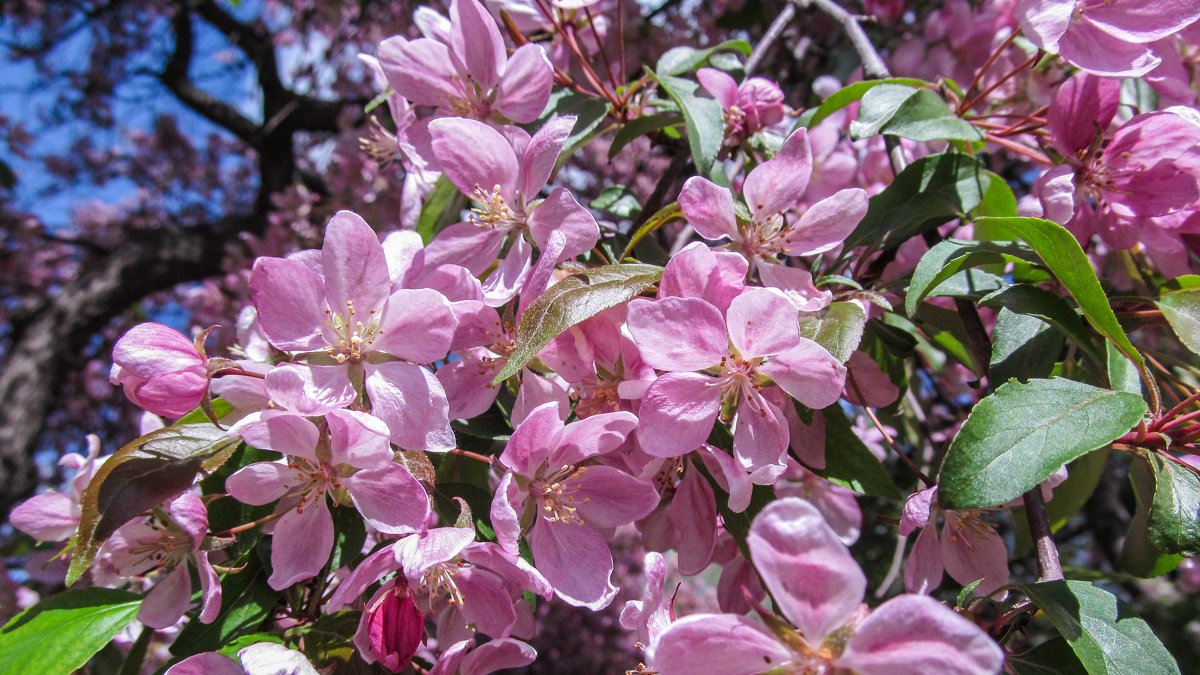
(680, 60)
(849, 463)
(617, 200)
(1049, 307)
(929, 192)
(1139, 556)
(246, 603)
(578, 297)
(589, 112)
(328, 637)
(1023, 347)
(1181, 309)
(60, 633)
(1105, 633)
(946, 258)
(1122, 373)
(849, 94)
(968, 283)
(998, 201)
(1061, 253)
(916, 114)
(640, 126)
(349, 534)
(703, 117)
(1053, 657)
(441, 209)
(945, 328)
(1015, 438)
(663, 216)
(1174, 524)
(840, 330)
(140, 476)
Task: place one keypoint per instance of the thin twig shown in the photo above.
(768, 40)
(929, 482)
(1049, 567)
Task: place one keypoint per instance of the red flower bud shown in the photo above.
(395, 628)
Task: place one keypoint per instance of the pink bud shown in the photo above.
(160, 369)
(395, 628)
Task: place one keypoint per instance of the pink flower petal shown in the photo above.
(762, 322)
(354, 265)
(923, 569)
(693, 512)
(263, 482)
(473, 155)
(418, 326)
(708, 207)
(475, 37)
(561, 213)
(291, 303)
(609, 497)
(678, 333)
(677, 414)
(282, 432)
(777, 184)
(576, 561)
(717, 644)
(525, 84)
(309, 390)
(596, 435)
(809, 373)
(358, 439)
(808, 570)
(698, 271)
(420, 70)
(915, 635)
(827, 223)
(389, 498)
(411, 401)
(300, 544)
(168, 600)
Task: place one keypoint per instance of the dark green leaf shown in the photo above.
(945, 328)
(1105, 633)
(349, 534)
(948, 257)
(1023, 347)
(849, 463)
(929, 192)
(1061, 253)
(246, 602)
(1174, 525)
(704, 119)
(840, 329)
(328, 637)
(917, 114)
(1053, 657)
(1044, 305)
(140, 476)
(1139, 556)
(639, 127)
(968, 283)
(1122, 373)
(60, 633)
(443, 207)
(849, 94)
(566, 303)
(589, 112)
(1015, 438)
(1181, 309)
(617, 200)
(680, 60)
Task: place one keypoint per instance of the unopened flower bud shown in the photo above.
(395, 628)
(160, 368)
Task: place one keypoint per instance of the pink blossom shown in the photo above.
(556, 496)
(54, 516)
(160, 369)
(169, 542)
(968, 549)
(354, 465)
(1105, 37)
(740, 354)
(749, 108)
(771, 190)
(469, 74)
(465, 658)
(505, 176)
(340, 316)
(819, 587)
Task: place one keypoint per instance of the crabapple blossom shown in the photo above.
(161, 370)
(819, 588)
(170, 542)
(556, 495)
(349, 459)
(469, 74)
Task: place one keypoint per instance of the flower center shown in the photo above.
(351, 338)
(558, 492)
(494, 212)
